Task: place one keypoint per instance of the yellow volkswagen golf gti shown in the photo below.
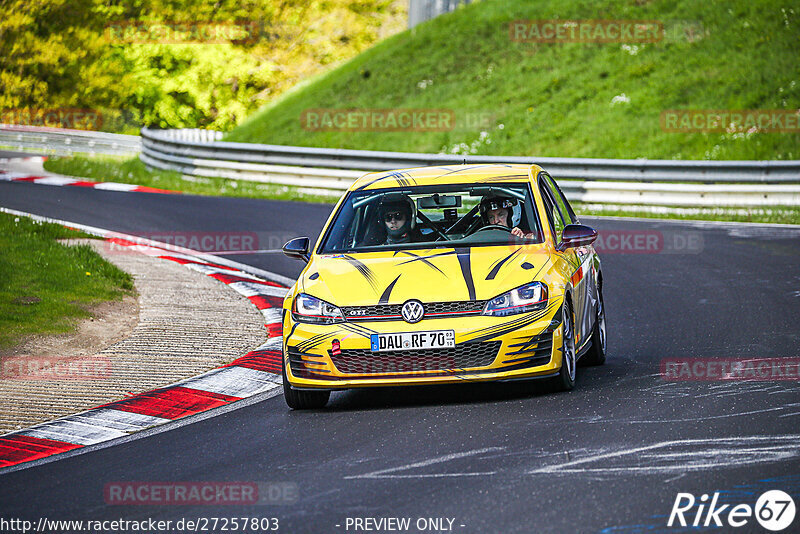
(441, 275)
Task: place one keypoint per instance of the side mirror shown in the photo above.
(297, 248)
(576, 235)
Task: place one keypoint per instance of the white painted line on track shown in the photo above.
(700, 454)
(55, 180)
(119, 420)
(233, 381)
(251, 289)
(271, 315)
(72, 432)
(387, 473)
(114, 186)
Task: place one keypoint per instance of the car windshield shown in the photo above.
(433, 216)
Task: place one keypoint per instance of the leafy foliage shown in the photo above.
(57, 54)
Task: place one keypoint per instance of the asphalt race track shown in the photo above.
(611, 455)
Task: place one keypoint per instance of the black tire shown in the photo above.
(596, 355)
(565, 380)
(303, 400)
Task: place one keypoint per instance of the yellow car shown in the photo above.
(441, 275)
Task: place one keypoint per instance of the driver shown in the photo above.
(396, 213)
(499, 211)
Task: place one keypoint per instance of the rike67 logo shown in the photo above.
(774, 510)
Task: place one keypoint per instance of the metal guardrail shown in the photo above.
(64, 142)
(421, 10)
(202, 153)
(639, 182)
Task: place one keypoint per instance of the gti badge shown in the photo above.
(412, 311)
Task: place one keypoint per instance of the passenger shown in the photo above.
(397, 214)
(499, 211)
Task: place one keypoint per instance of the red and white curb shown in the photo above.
(256, 372)
(65, 181)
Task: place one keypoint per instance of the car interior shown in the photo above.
(443, 216)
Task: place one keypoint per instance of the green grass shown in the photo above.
(778, 215)
(46, 286)
(556, 99)
(133, 171)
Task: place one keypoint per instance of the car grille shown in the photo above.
(391, 312)
(466, 355)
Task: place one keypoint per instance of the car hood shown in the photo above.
(429, 275)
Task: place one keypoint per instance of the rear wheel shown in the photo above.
(303, 400)
(596, 355)
(565, 380)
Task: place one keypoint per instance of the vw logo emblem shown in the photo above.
(412, 311)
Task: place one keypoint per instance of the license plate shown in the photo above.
(435, 339)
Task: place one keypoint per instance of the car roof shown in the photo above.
(445, 175)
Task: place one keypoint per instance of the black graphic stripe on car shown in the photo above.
(423, 259)
(316, 341)
(473, 167)
(466, 270)
(497, 179)
(388, 291)
(358, 329)
(498, 264)
(503, 329)
(375, 181)
(365, 271)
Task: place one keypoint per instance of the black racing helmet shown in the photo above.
(494, 203)
(394, 203)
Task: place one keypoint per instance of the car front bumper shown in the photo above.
(487, 349)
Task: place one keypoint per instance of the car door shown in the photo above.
(580, 258)
(569, 257)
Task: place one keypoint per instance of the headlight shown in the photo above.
(308, 309)
(527, 298)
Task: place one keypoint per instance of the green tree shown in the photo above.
(63, 53)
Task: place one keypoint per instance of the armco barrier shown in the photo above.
(635, 182)
(64, 142)
(202, 153)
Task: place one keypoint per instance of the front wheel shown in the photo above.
(565, 380)
(303, 400)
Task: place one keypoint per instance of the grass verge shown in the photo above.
(133, 171)
(46, 286)
(565, 99)
(778, 215)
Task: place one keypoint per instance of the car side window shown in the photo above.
(553, 214)
(561, 200)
